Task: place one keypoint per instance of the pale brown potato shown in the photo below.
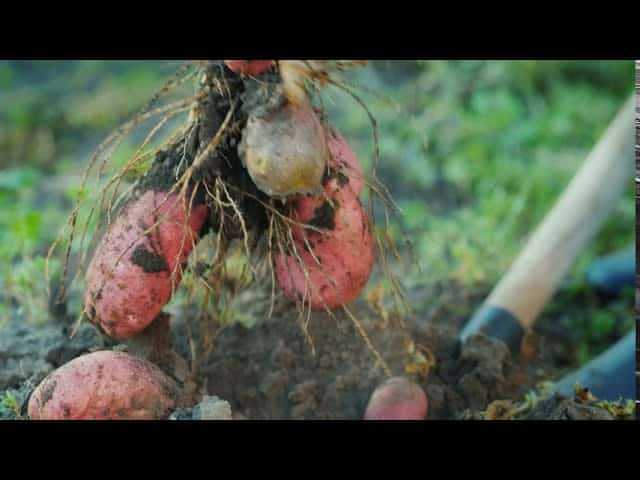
(285, 150)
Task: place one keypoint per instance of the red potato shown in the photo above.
(397, 399)
(104, 385)
(125, 299)
(345, 252)
(249, 67)
(344, 159)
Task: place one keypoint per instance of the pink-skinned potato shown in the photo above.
(124, 298)
(344, 251)
(105, 385)
(249, 67)
(344, 159)
(397, 399)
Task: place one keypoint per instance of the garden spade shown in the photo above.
(516, 302)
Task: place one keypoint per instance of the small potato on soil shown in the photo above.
(344, 251)
(125, 298)
(249, 67)
(397, 399)
(105, 385)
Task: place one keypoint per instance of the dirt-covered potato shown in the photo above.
(345, 161)
(343, 250)
(124, 298)
(104, 385)
(339, 260)
(249, 67)
(397, 399)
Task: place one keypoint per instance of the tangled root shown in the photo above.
(198, 161)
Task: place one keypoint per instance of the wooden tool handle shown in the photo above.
(575, 218)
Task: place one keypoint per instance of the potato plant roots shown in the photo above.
(199, 162)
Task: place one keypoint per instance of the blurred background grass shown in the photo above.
(474, 152)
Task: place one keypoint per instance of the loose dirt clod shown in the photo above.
(209, 408)
(212, 408)
(559, 407)
(268, 371)
(27, 351)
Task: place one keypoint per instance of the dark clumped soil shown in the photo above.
(28, 354)
(269, 371)
(26, 351)
(559, 407)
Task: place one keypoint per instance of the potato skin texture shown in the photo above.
(249, 67)
(397, 399)
(346, 252)
(104, 385)
(344, 159)
(124, 300)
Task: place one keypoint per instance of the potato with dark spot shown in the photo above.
(344, 160)
(338, 260)
(149, 240)
(105, 385)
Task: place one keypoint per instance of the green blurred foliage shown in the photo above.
(502, 138)
(474, 152)
(23, 235)
(9, 406)
(48, 106)
(53, 115)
